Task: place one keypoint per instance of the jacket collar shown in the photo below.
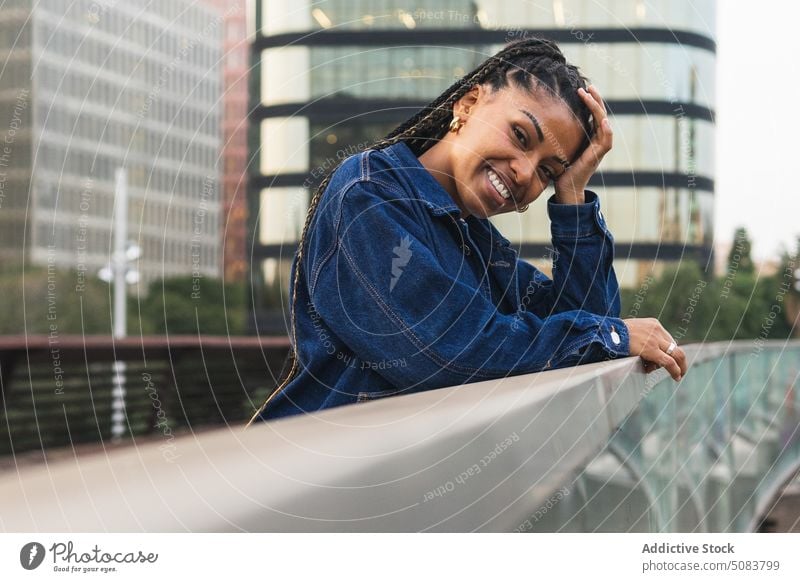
(435, 198)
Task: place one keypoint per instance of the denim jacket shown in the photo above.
(398, 294)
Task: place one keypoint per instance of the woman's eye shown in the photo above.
(520, 136)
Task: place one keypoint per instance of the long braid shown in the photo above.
(535, 57)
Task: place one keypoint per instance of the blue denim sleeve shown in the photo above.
(583, 269)
(382, 290)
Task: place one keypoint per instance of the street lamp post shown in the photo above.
(119, 260)
(119, 273)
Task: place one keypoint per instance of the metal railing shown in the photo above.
(601, 447)
(59, 392)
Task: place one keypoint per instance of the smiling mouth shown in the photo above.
(498, 187)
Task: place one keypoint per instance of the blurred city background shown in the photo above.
(157, 159)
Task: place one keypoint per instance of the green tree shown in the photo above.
(42, 301)
(790, 274)
(679, 299)
(740, 304)
(739, 257)
(186, 305)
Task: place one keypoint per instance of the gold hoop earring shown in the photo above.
(522, 209)
(456, 124)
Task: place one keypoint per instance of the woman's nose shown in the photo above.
(522, 173)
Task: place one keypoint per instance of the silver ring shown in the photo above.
(671, 348)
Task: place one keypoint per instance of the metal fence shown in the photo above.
(61, 393)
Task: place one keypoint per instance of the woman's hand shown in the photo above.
(571, 183)
(650, 340)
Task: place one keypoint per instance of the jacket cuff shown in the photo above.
(576, 220)
(609, 341)
(615, 337)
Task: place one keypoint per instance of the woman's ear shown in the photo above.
(463, 106)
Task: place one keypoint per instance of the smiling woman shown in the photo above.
(401, 284)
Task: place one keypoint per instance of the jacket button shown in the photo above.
(615, 336)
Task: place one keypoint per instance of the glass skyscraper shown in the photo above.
(98, 85)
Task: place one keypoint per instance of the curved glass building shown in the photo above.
(330, 77)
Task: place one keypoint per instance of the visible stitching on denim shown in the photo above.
(403, 194)
(484, 282)
(490, 372)
(325, 256)
(603, 264)
(495, 237)
(394, 188)
(591, 230)
(314, 275)
(516, 285)
(365, 164)
(416, 341)
(570, 235)
(390, 153)
(367, 396)
(562, 354)
(435, 210)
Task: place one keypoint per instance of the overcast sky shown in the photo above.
(758, 123)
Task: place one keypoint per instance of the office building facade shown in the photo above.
(235, 98)
(109, 85)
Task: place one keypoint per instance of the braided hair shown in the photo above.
(529, 64)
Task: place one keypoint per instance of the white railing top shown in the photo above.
(478, 457)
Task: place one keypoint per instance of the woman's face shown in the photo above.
(511, 146)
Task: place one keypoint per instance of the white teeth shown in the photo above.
(498, 184)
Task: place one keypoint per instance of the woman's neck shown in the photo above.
(437, 161)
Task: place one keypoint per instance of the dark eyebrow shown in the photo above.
(535, 124)
(538, 128)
